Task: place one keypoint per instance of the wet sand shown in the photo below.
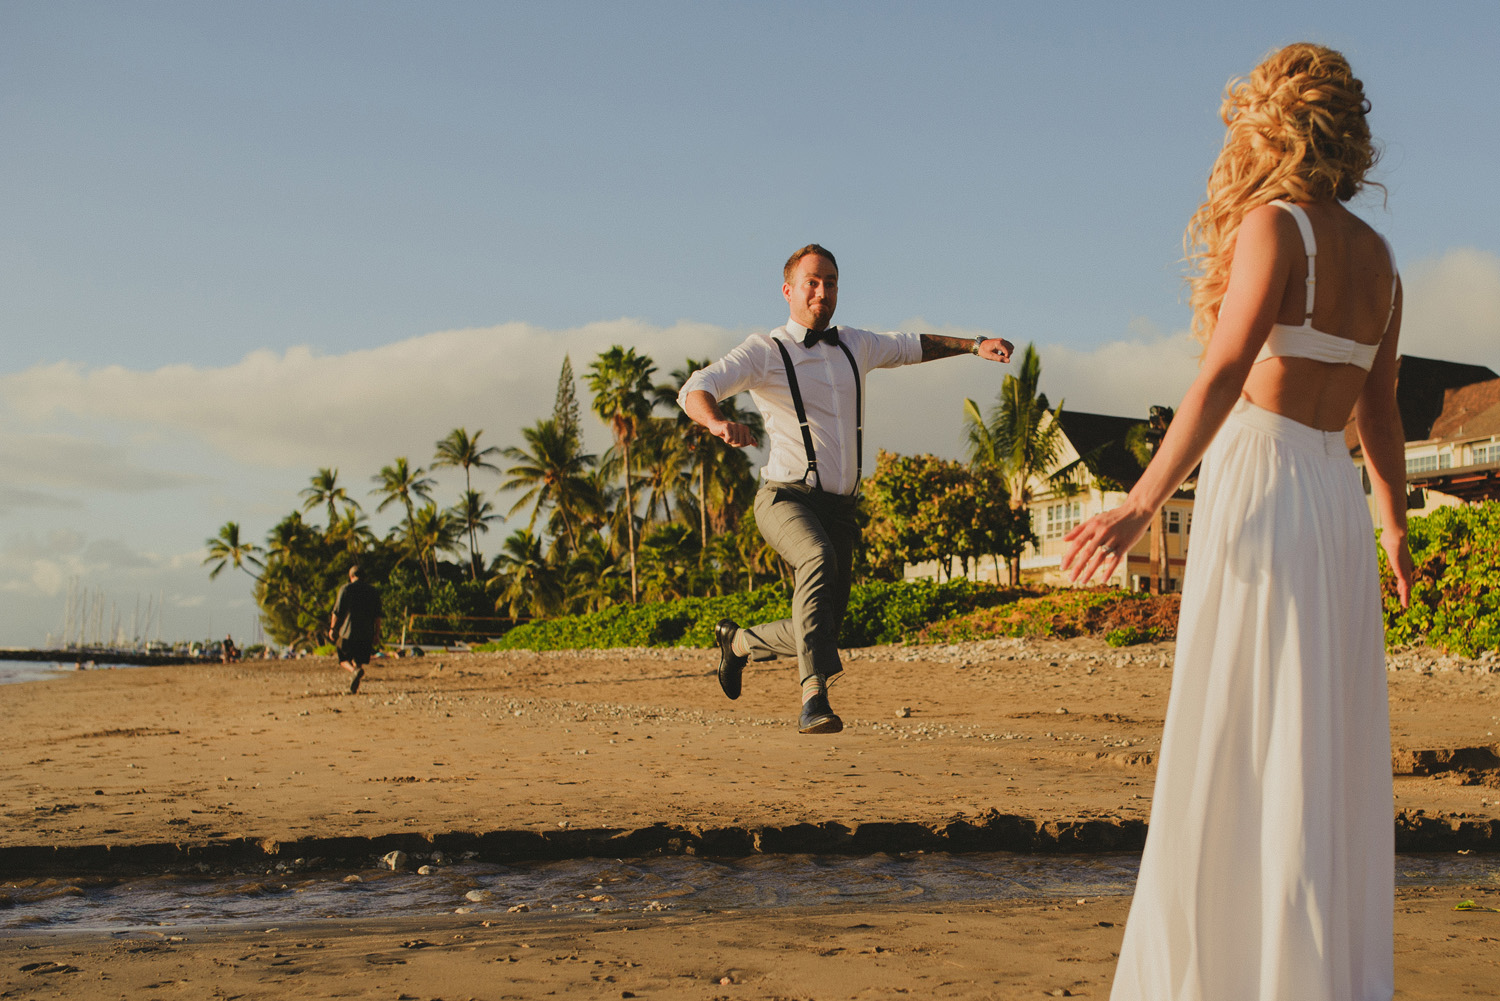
(557, 753)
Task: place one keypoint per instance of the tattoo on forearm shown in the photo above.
(939, 346)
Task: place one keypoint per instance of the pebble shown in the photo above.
(352, 879)
(518, 909)
(425, 870)
(479, 896)
(394, 861)
(903, 713)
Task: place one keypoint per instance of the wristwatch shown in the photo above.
(977, 341)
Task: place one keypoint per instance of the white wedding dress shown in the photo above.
(1268, 869)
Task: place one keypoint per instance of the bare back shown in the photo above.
(1353, 300)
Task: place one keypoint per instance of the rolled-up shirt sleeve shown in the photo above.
(891, 350)
(739, 370)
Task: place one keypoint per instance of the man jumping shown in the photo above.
(807, 380)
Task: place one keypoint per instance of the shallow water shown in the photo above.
(607, 886)
(16, 671)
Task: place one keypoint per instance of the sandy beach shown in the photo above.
(1005, 744)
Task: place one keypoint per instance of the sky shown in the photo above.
(242, 241)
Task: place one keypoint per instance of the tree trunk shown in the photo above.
(703, 499)
(630, 523)
(473, 537)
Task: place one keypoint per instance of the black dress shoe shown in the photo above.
(818, 717)
(730, 663)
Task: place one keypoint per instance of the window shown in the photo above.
(1429, 463)
(1486, 453)
(1062, 518)
(1174, 523)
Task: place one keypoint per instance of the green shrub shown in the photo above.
(879, 612)
(1129, 636)
(1455, 598)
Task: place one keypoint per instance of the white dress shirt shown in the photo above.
(827, 385)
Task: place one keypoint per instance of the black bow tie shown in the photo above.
(831, 335)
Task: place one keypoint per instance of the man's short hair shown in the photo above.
(356, 571)
(811, 248)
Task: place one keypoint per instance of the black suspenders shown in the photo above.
(807, 441)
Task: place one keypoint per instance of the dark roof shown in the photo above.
(1100, 439)
(1421, 384)
(1469, 411)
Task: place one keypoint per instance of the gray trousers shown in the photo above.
(816, 533)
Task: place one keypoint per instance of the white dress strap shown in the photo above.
(1395, 278)
(1310, 246)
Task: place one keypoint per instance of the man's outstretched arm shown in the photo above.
(701, 406)
(939, 346)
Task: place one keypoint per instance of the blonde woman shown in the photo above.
(1267, 873)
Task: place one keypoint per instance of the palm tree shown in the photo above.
(325, 489)
(665, 458)
(290, 537)
(432, 532)
(400, 482)
(592, 579)
(719, 469)
(528, 582)
(668, 553)
(475, 513)
(553, 472)
(295, 552)
(229, 550)
(1143, 440)
(620, 380)
(458, 449)
(351, 533)
(1020, 437)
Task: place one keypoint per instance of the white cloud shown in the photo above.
(1452, 307)
(46, 577)
(300, 409)
(43, 564)
(58, 461)
(15, 499)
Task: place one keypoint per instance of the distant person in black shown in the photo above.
(355, 626)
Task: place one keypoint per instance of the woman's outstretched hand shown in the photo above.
(1399, 557)
(1099, 544)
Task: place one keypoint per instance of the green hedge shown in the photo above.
(879, 612)
(1455, 599)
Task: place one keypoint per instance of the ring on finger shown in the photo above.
(1106, 549)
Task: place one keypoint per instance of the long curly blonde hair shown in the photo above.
(1297, 131)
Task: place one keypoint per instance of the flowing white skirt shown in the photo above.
(1268, 868)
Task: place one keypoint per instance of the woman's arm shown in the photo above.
(1378, 421)
(1257, 279)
